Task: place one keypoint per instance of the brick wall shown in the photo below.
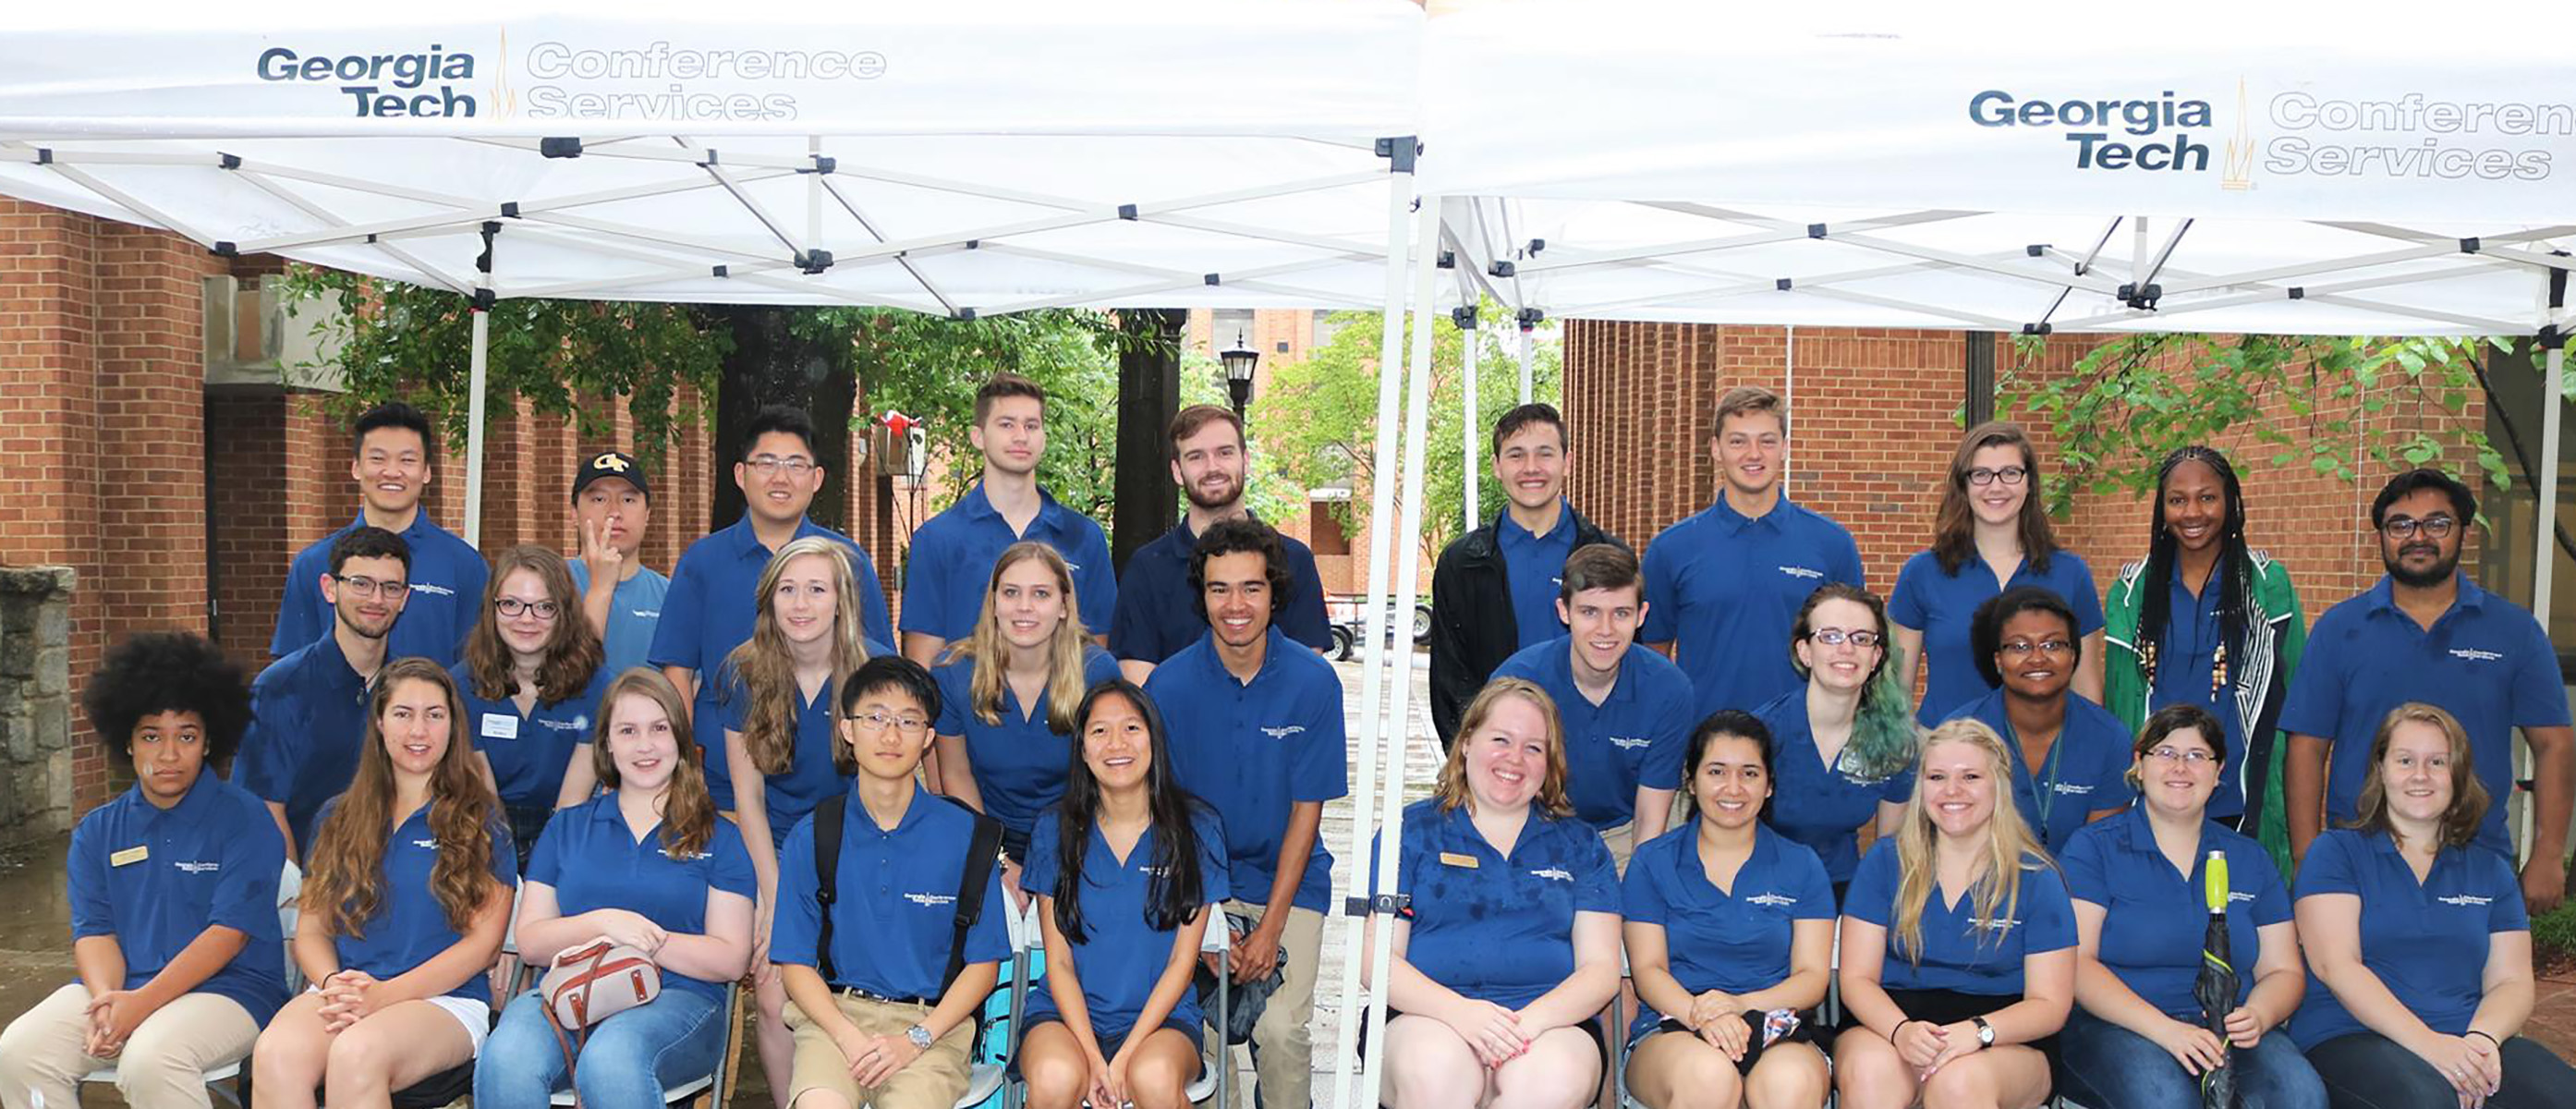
(1871, 436)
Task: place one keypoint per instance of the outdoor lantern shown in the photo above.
(1238, 371)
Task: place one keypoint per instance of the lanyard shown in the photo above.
(2047, 787)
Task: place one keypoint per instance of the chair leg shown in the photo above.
(729, 1061)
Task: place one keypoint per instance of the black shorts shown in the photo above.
(1952, 1006)
(1805, 1033)
(1109, 1044)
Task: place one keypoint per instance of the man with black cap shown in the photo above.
(621, 596)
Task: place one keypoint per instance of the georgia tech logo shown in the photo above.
(1282, 732)
(1803, 572)
(2465, 900)
(931, 900)
(2474, 655)
(1555, 873)
(1630, 742)
(2089, 122)
(609, 461)
(198, 867)
(1771, 899)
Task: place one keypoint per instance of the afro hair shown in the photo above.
(168, 672)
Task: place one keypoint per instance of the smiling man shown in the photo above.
(1516, 559)
(2427, 633)
(390, 463)
(1255, 727)
(309, 709)
(1625, 711)
(1725, 584)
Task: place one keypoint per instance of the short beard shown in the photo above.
(1197, 501)
(2441, 572)
(363, 633)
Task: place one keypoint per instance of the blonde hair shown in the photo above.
(991, 653)
(1452, 788)
(769, 676)
(2010, 848)
(2469, 800)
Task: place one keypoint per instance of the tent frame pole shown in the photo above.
(478, 382)
(2554, 319)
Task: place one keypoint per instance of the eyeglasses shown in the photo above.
(878, 722)
(2193, 757)
(1836, 637)
(513, 608)
(769, 464)
(2021, 649)
(2405, 527)
(370, 587)
(1987, 475)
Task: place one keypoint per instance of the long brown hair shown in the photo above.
(2469, 800)
(1954, 530)
(768, 673)
(572, 652)
(2010, 848)
(345, 876)
(688, 813)
(1452, 788)
(991, 653)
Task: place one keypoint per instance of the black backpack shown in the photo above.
(981, 851)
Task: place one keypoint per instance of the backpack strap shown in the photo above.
(827, 871)
(982, 849)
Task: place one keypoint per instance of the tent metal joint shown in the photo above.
(224, 248)
(1782, 284)
(2038, 329)
(1815, 231)
(44, 155)
(227, 161)
(1384, 904)
(1127, 212)
(1464, 316)
(965, 315)
(1399, 151)
(2549, 337)
(814, 261)
(1529, 318)
(485, 299)
(563, 147)
(2298, 292)
(1215, 279)
(1503, 267)
(723, 271)
(2469, 245)
(2141, 297)
(509, 209)
(2035, 250)
(1448, 260)
(823, 164)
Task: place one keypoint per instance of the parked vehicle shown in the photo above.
(1344, 611)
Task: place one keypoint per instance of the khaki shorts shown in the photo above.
(934, 1081)
(1622, 842)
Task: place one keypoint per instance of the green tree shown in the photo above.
(1319, 416)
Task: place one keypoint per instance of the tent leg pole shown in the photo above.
(2545, 510)
(478, 383)
(1470, 339)
(1529, 342)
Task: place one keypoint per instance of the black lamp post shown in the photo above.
(1239, 362)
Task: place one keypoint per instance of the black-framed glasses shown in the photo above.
(878, 722)
(370, 587)
(2022, 648)
(1988, 475)
(512, 608)
(1836, 637)
(2405, 527)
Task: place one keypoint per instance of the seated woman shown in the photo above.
(646, 864)
(1512, 945)
(173, 889)
(777, 692)
(1126, 868)
(2136, 1039)
(532, 679)
(2419, 952)
(1730, 929)
(2072, 756)
(1958, 945)
(1846, 738)
(403, 910)
(1007, 694)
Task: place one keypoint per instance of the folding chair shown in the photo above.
(1211, 1080)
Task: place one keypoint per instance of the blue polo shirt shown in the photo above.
(1155, 619)
(530, 750)
(1961, 952)
(1021, 762)
(1534, 568)
(1635, 736)
(1253, 750)
(2426, 941)
(1121, 955)
(895, 899)
(1733, 940)
(710, 609)
(634, 613)
(594, 861)
(2185, 660)
(1725, 590)
(155, 879)
(1496, 926)
(1820, 806)
(951, 565)
(1941, 606)
(2155, 917)
(309, 718)
(2086, 769)
(447, 577)
(811, 775)
(2486, 661)
(408, 927)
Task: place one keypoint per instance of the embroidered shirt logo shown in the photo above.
(430, 844)
(1558, 873)
(1282, 731)
(1771, 899)
(2234, 897)
(931, 900)
(2475, 655)
(576, 724)
(685, 856)
(1630, 742)
(1997, 925)
(2072, 787)
(199, 868)
(432, 590)
(1802, 572)
(646, 613)
(2465, 900)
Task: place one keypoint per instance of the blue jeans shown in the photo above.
(627, 1062)
(2110, 1067)
(2369, 1071)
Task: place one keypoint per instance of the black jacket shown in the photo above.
(1472, 628)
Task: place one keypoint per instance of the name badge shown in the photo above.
(1449, 858)
(129, 856)
(500, 725)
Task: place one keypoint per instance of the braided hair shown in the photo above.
(2234, 576)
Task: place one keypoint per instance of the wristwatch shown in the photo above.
(919, 1036)
(1985, 1033)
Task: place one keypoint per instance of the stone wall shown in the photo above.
(35, 701)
